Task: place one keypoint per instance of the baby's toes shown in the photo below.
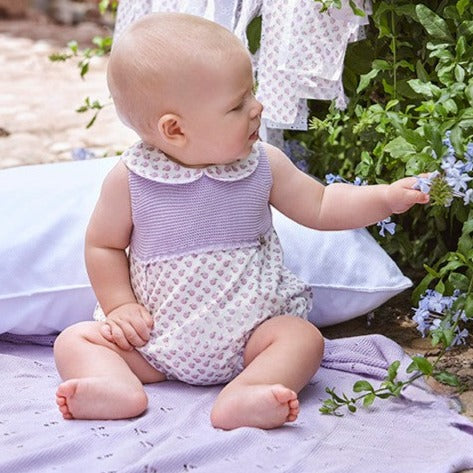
(293, 410)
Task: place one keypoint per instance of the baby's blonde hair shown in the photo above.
(153, 53)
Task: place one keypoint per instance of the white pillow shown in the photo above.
(44, 285)
(349, 272)
(44, 210)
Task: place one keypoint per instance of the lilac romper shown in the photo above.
(205, 261)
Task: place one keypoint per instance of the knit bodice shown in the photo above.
(178, 210)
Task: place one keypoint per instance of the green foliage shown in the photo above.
(390, 387)
(102, 47)
(409, 82)
(91, 106)
(108, 5)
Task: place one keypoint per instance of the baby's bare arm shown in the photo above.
(107, 237)
(338, 206)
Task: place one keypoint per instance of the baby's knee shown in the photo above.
(305, 333)
(74, 333)
(312, 336)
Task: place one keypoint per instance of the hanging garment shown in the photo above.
(301, 52)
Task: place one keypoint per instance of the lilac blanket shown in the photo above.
(418, 433)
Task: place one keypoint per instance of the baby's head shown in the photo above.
(175, 78)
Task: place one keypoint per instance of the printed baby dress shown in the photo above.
(205, 262)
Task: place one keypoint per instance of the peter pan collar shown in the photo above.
(153, 164)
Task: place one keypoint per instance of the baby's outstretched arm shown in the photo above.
(108, 236)
(337, 206)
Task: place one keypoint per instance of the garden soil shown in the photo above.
(39, 124)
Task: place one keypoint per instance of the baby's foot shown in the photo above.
(98, 398)
(264, 406)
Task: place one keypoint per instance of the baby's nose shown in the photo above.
(257, 110)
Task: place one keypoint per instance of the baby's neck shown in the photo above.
(178, 161)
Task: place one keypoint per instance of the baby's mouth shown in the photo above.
(254, 135)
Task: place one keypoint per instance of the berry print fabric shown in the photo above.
(206, 304)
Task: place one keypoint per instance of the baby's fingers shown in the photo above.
(119, 338)
(106, 332)
(147, 318)
(420, 197)
(142, 330)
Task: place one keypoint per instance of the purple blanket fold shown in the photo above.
(417, 433)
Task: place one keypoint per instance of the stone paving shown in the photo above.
(38, 98)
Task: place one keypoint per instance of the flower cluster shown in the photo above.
(435, 312)
(454, 180)
(332, 178)
(297, 153)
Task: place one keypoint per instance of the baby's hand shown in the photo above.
(401, 196)
(128, 326)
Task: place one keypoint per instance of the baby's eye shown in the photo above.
(238, 107)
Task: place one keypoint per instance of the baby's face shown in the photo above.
(222, 115)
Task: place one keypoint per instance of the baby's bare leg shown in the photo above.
(280, 358)
(101, 381)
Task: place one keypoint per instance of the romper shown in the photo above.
(205, 261)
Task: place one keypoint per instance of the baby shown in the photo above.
(180, 248)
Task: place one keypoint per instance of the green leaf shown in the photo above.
(253, 34)
(447, 378)
(435, 25)
(432, 272)
(461, 6)
(460, 47)
(351, 408)
(422, 287)
(365, 79)
(469, 93)
(419, 363)
(421, 72)
(368, 400)
(362, 385)
(468, 308)
(84, 68)
(399, 148)
(355, 9)
(381, 65)
(440, 287)
(459, 281)
(393, 369)
(73, 46)
(427, 89)
(466, 28)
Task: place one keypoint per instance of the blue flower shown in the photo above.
(457, 180)
(469, 151)
(331, 178)
(423, 184)
(468, 197)
(460, 337)
(432, 311)
(297, 153)
(359, 182)
(386, 226)
(81, 154)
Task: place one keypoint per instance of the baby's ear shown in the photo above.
(170, 129)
